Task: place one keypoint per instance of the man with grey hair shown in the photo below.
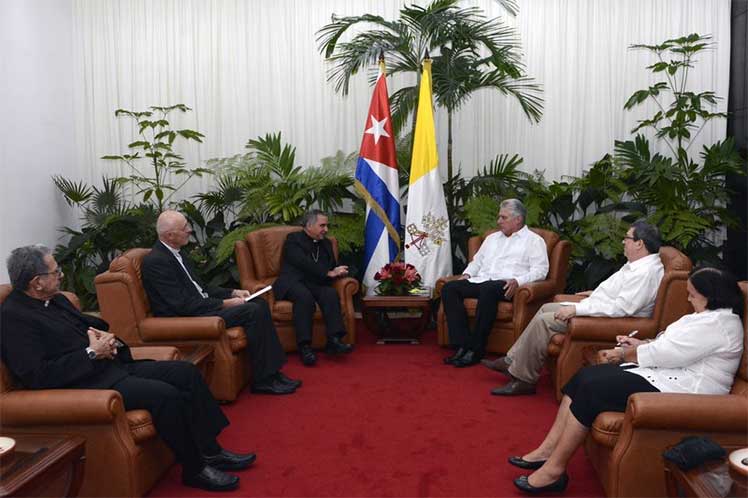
(174, 289)
(508, 258)
(308, 268)
(48, 344)
(631, 291)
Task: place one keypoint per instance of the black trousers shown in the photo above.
(602, 388)
(265, 350)
(489, 294)
(305, 297)
(185, 414)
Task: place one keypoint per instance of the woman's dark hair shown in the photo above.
(719, 287)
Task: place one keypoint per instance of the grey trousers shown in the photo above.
(528, 354)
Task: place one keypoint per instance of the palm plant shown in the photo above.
(110, 225)
(684, 197)
(470, 52)
(155, 144)
(275, 190)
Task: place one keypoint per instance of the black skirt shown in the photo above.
(602, 388)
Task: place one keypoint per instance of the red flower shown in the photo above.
(397, 279)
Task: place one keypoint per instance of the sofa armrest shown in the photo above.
(605, 329)
(159, 353)
(60, 407)
(440, 283)
(534, 291)
(572, 298)
(688, 412)
(346, 286)
(193, 328)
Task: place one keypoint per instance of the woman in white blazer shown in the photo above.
(699, 353)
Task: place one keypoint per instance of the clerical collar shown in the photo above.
(175, 252)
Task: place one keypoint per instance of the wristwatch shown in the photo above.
(91, 353)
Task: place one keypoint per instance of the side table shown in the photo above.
(383, 316)
(712, 479)
(43, 465)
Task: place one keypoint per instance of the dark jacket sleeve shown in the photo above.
(123, 352)
(23, 352)
(298, 257)
(169, 296)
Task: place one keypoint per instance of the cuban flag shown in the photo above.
(376, 181)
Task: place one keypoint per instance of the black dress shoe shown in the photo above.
(467, 360)
(295, 383)
(228, 460)
(449, 360)
(272, 386)
(336, 346)
(308, 357)
(525, 464)
(514, 388)
(211, 479)
(555, 487)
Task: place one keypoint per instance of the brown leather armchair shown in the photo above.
(625, 449)
(258, 258)
(565, 351)
(513, 317)
(124, 305)
(124, 455)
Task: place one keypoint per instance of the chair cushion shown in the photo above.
(131, 263)
(505, 313)
(672, 259)
(141, 425)
(237, 339)
(266, 247)
(607, 427)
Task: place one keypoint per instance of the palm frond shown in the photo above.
(74, 193)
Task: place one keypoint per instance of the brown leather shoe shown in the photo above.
(514, 388)
(499, 364)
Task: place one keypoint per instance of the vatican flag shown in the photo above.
(427, 242)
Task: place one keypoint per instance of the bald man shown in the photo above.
(174, 289)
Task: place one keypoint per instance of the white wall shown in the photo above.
(250, 67)
(36, 121)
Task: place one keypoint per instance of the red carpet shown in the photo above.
(388, 420)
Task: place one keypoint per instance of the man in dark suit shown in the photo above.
(308, 268)
(174, 289)
(47, 344)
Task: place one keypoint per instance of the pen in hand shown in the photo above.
(632, 334)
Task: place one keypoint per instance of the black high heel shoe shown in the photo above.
(520, 462)
(557, 486)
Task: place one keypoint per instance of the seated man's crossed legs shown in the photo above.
(305, 298)
(187, 418)
(265, 350)
(524, 361)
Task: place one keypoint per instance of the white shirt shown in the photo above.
(631, 291)
(176, 254)
(522, 256)
(699, 353)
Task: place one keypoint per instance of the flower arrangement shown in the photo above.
(397, 279)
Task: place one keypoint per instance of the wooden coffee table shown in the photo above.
(712, 479)
(397, 318)
(43, 465)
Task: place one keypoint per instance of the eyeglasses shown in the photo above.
(630, 238)
(56, 272)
